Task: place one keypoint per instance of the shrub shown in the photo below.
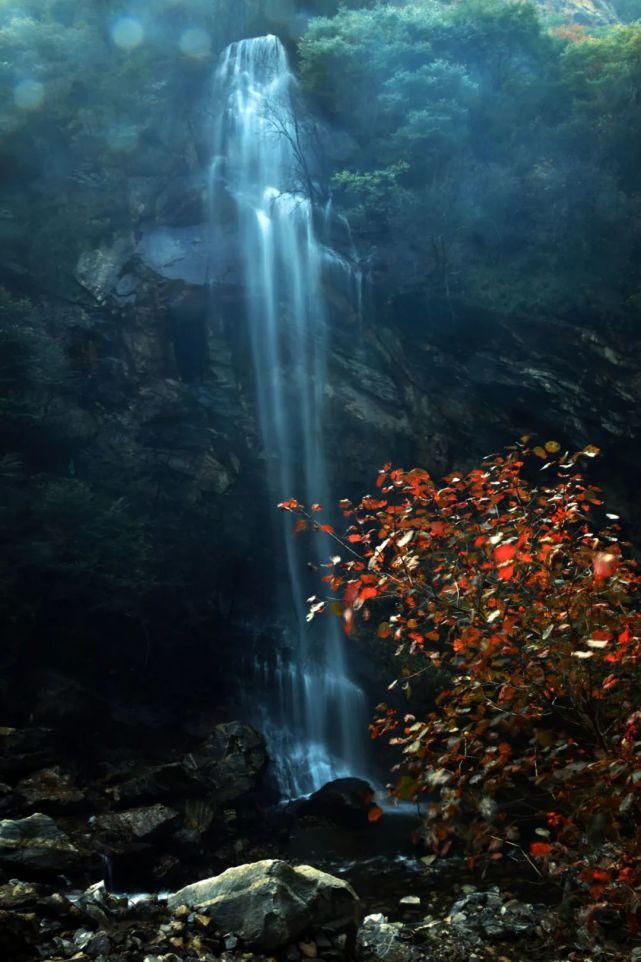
(502, 578)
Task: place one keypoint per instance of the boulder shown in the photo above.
(18, 935)
(152, 783)
(51, 790)
(23, 750)
(344, 801)
(36, 843)
(16, 896)
(98, 270)
(136, 824)
(230, 762)
(271, 903)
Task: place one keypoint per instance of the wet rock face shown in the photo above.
(270, 903)
(37, 844)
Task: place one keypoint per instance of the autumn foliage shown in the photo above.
(513, 581)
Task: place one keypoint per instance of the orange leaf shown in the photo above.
(604, 564)
(375, 813)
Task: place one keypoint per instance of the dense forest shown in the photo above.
(376, 263)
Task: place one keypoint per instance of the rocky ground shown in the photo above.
(230, 875)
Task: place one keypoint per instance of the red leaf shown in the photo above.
(368, 593)
(375, 813)
(504, 552)
(539, 849)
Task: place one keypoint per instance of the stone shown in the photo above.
(137, 823)
(486, 914)
(23, 750)
(308, 949)
(230, 761)
(38, 844)
(344, 801)
(19, 896)
(379, 940)
(410, 900)
(18, 936)
(51, 789)
(98, 270)
(270, 903)
(152, 784)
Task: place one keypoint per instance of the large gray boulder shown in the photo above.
(37, 843)
(270, 903)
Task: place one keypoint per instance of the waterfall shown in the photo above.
(311, 712)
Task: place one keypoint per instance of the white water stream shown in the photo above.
(312, 713)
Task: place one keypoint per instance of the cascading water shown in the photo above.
(312, 713)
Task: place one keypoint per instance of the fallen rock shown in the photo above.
(270, 903)
(23, 750)
(344, 801)
(51, 790)
(38, 844)
(487, 914)
(18, 935)
(136, 823)
(230, 762)
(18, 896)
(381, 941)
(153, 783)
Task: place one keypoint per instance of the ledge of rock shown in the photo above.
(270, 903)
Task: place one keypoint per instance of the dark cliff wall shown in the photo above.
(149, 421)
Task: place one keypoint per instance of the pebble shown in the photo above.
(410, 900)
(309, 949)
